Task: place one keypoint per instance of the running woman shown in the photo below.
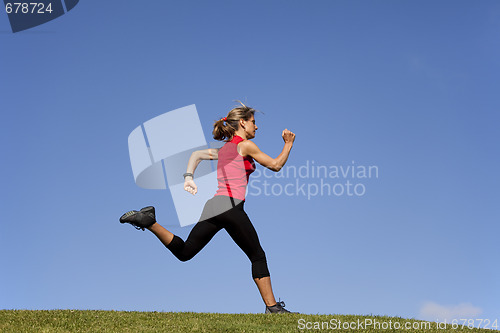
(225, 210)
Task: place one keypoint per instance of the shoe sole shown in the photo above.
(127, 214)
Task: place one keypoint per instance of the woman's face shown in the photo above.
(250, 127)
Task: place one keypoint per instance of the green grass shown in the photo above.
(121, 321)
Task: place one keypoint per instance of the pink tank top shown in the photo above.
(233, 170)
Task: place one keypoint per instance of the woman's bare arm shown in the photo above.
(200, 155)
(195, 159)
(247, 147)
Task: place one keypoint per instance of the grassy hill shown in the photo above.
(120, 321)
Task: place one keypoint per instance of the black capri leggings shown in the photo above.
(223, 212)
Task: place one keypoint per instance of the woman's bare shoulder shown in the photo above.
(247, 147)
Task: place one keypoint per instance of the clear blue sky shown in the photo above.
(408, 86)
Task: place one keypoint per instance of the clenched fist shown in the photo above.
(288, 136)
(190, 186)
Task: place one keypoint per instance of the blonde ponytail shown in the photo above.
(222, 131)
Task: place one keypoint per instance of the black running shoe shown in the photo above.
(140, 220)
(279, 307)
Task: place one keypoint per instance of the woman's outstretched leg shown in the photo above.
(199, 236)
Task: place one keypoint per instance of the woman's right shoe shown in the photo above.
(140, 219)
(279, 307)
